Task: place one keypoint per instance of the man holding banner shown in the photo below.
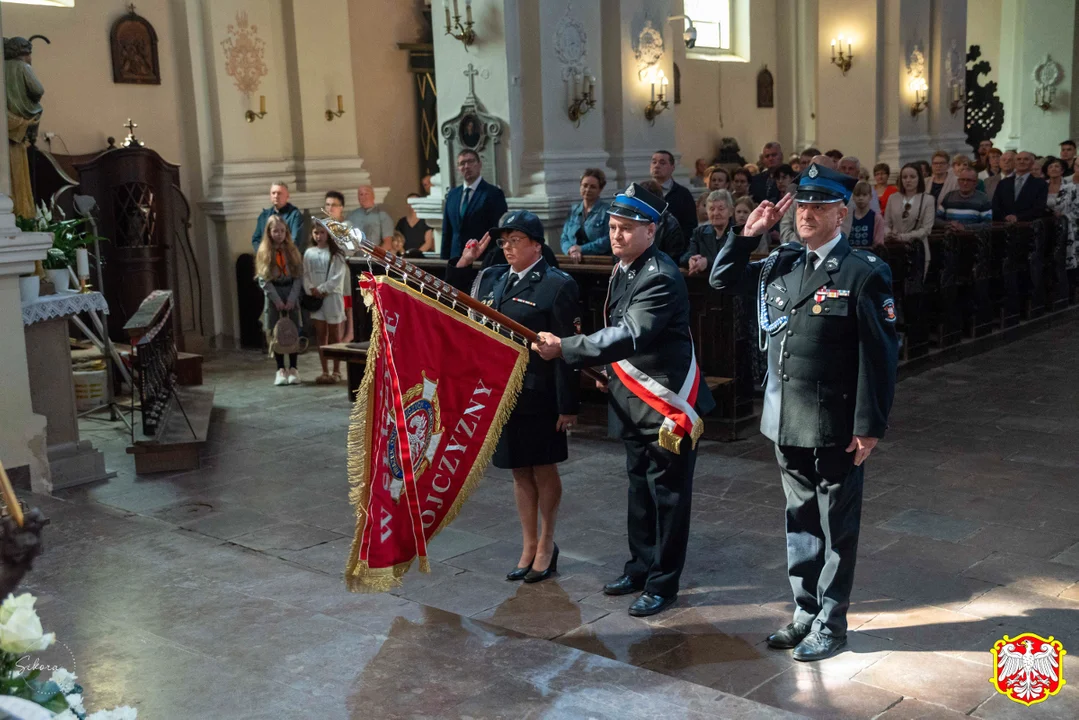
(656, 392)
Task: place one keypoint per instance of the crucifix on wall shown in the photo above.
(473, 129)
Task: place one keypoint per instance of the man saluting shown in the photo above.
(826, 312)
(656, 395)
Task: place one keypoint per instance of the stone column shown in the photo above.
(22, 433)
(947, 64)
(905, 34)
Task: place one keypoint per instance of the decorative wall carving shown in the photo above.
(133, 42)
(571, 45)
(648, 48)
(245, 55)
(916, 63)
(955, 70)
(472, 129)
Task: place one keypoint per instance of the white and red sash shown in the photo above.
(679, 417)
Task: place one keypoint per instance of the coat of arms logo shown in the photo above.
(422, 420)
(1028, 668)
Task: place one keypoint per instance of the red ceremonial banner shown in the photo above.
(446, 383)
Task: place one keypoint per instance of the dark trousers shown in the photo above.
(824, 513)
(660, 490)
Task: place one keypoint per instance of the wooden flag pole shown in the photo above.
(12, 502)
(443, 289)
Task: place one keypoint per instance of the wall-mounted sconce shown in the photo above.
(659, 102)
(582, 95)
(330, 114)
(1046, 77)
(957, 100)
(920, 88)
(840, 60)
(455, 29)
(251, 115)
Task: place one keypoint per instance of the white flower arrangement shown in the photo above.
(21, 633)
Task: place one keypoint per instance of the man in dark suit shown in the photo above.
(680, 202)
(656, 396)
(1020, 197)
(472, 208)
(827, 313)
(762, 186)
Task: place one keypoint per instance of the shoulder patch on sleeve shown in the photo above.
(888, 310)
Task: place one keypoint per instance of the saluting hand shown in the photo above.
(548, 347)
(765, 215)
(474, 250)
(861, 447)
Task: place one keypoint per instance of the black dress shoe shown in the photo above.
(535, 577)
(788, 637)
(649, 604)
(622, 586)
(818, 647)
(519, 573)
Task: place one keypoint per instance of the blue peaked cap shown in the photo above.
(818, 184)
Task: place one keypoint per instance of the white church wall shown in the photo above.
(719, 99)
(847, 104)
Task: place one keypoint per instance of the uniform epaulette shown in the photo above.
(560, 272)
(870, 259)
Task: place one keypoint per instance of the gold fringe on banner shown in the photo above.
(672, 443)
(359, 576)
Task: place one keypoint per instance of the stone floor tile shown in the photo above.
(541, 610)
(933, 628)
(931, 525)
(911, 709)
(801, 689)
(909, 673)
(620, 637)
(1032, 543)
(1062, 706)
(451, 542)
(286, 537)
(1011, 570)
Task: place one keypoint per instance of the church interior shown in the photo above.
(200, 515)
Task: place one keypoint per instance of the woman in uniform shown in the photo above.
(533, 441)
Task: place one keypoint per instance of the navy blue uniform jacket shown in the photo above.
(831, 373)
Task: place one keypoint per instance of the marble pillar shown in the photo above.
(905, 36)
(947, 62)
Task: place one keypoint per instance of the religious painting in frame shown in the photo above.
(470, 131)
(133, 42)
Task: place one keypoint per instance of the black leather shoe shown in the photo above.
(535, 577)
(788, 637)
(649, 604)
(519, 573)
(622, 586)
(818, 647)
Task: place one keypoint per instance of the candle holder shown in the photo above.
(251, 116)
(456, 29)
(841, 61)
(659, 102)
(1044, 96)
(582, 97)
(958, 100)
(920, 88)
(330, 114)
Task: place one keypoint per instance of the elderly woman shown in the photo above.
(1053, 170)
(708, 238)
(585, 231)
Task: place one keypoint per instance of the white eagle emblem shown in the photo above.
(1028, 675)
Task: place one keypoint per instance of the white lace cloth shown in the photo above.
(62, 304)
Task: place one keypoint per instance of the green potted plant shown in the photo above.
(67, 237)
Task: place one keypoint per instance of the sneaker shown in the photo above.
(280, 378)
(293, 377)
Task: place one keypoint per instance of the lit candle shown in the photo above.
(446, 7)
(850, 49)
(576, 87)
(262, 103)
(468, 11)
(340, 104)
(591, 87)
(833, 48)
(662, 85)
(456, 9)
(82, 262)
(653, 92)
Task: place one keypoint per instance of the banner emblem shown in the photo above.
(1028, 668)
(424, 434)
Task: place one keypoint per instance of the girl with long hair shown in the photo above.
(325, 275)
(279, 271)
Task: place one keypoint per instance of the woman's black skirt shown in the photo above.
(529, 440)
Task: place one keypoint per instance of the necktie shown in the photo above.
(811, 265)
(465, 199)
(510, 282)
(1019, 185)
